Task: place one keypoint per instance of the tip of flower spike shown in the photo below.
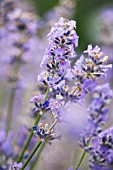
(62, 41)
(91, 50)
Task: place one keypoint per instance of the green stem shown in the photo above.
(11, 99)
(82, 157)
(36, 147)
(33, 164)
(54, 123)
(41, 149)
(28, 140)
(31, 133)
(31, 155)
(80, 161)
(46, 95)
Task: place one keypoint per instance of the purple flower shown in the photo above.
(66, 28)
(101, 151)
(57, 109)
(37, 98)
(92, 51)
(42, 78)
(90, 68)
(98, 110)
(99, 107)
(62, 41)
(86, 71)
(16, 166)
(44, 134)
(96, 61)
(39, 105)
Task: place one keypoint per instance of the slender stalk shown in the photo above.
(54, 123)
(31, 155)
(10, 110)
(33, 164)
(82, 157)
(46, 95)
(31, 133)
(28, 140)
(36, 147)
(11, 99)
(41, 149)
(80, 161)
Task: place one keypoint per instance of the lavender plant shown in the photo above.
(65, 84)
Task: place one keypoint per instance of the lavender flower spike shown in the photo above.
(102, 151)
(99, 107)
(97, 61)
(62, 41)
(98, 110)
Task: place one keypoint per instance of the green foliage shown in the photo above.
(85, 17)
(42, 6)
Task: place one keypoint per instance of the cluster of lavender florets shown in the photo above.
(71, 83)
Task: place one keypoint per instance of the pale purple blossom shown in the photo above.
(16, 166)
(92, 51)
(44, 134)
